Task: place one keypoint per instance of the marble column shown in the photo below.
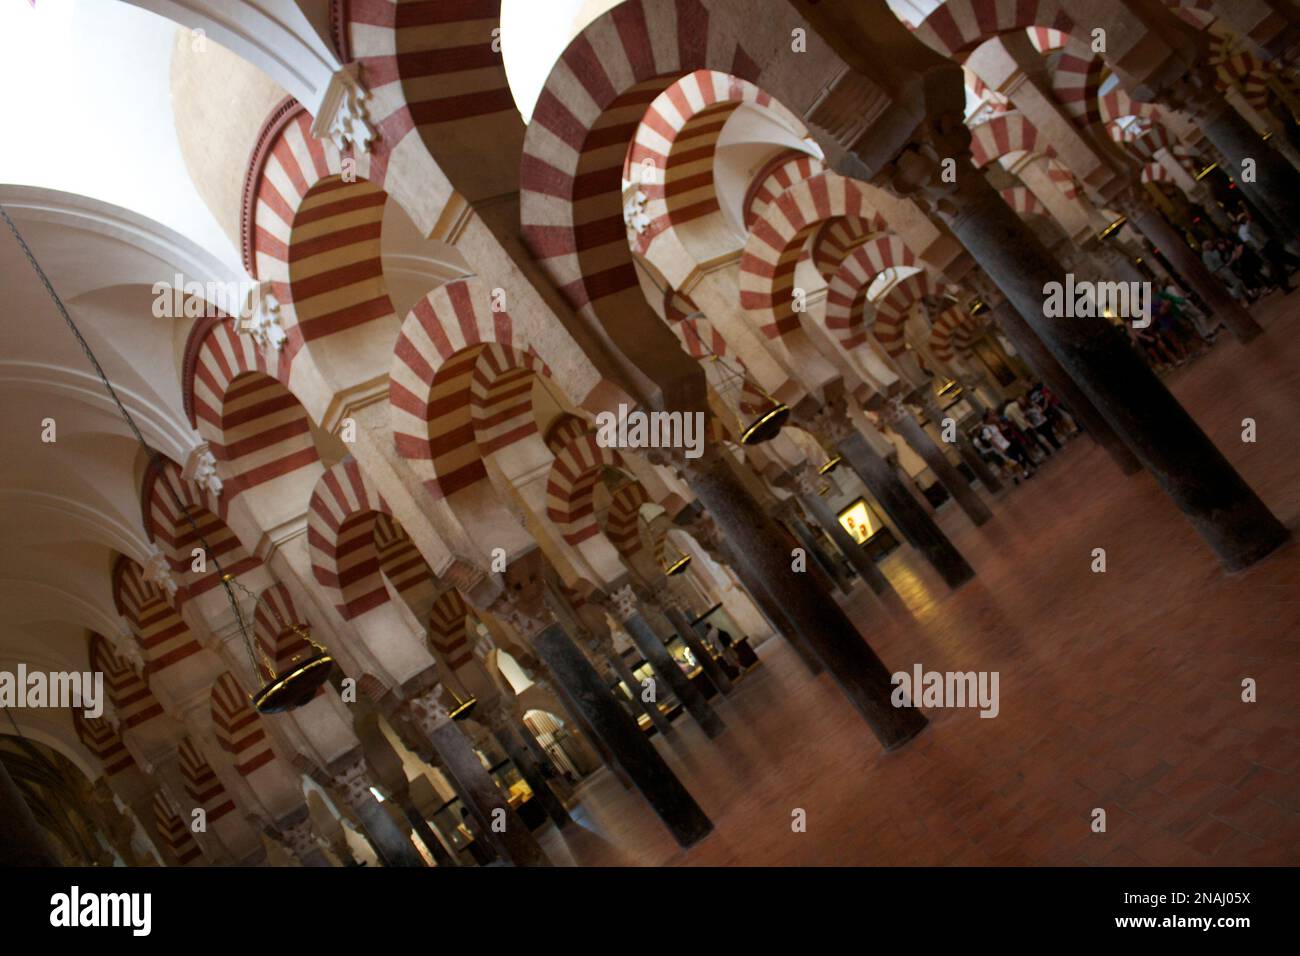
(394, 848)
(648, 707)
(706, 533)
(1054, 375)
(22, 840)
(441, 855)
(498, 823)
(625, 607)
(587, 690)
(1193, 472)
(825, 516)
(502, 724)
(1275, 186)
(665, 602)
(861, 676)
(1182, 257)
(300, 838)
(882, 480)
(787, 514)
(965, 447)
(901, 420)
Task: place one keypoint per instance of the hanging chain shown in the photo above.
(154, 457)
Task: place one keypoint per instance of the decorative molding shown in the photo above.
(201, 470)
(354, 783)
(158, 571)
(281, 115)
(342, 117)
(260, 318)
(622, 603)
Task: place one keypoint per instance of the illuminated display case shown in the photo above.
(867, 528)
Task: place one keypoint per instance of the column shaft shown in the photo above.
(1189, 265)
(656, 652)
(754, 537)
(484, 798)
(532, 773)
(692, 638)
(653, 777)
(1192, 471)
(924, 445)
(912, 520)
(649, 708)
(1059, 380)
(22, 840)
(862, 562)
(827, 564)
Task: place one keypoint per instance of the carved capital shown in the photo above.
(342, 116)
(526, 621)
(260, 318)
(427, 711)
(300, 838)
(201, 470)
(831, 424)
(157, 571)
(622, 603)
(354, 783)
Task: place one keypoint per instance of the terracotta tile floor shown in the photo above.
(1118, 690)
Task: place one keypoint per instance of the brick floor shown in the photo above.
(1119, 691)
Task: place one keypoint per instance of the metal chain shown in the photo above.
(154, 457)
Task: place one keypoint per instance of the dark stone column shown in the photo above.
(906, 512)
(653, 777)
(391, 845)
(857, 556)
(1189, 265)
(965, 447)
(597, 741)
(650, 709)
(1055, 376)
(1276, 187)
(864, 680)
(503, 729)
(1192, 471)
(775, 613)
(692, 638)
(626, 609)
(921, 442)
(827, 564)
(441, 855)
(22, 841)
(477, 790)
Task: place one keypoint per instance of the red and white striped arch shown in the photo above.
(129, 693)
(174, 831)
(1076, 81)
(1148, 141)
(460, 387)
(166, 499)
(103, 741)
(273, 627)
(595, 96)
(954, 328)
(201, 782)
(846, 292)
(341, 522)
(241, 406)
(165, 640)
(893, 309)
(238, 727)
(571, 483)
(622, 520)
(399, 558)
(1009, 132)
(767, 265)
(837, 237)
(782, 171)
(671, 158)
(1156, 173)
(1022, 201)
(314, 237)
(438, 91)
(563, 430)
(447, 630)
(957, 27)
(1117, 104)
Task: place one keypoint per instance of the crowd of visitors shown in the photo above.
(1024, 433)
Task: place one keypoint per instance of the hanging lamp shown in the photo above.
(281, 691)
(730, 384)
